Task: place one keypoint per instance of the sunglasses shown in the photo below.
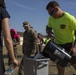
(53, 11)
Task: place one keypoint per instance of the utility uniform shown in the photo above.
(29, 46)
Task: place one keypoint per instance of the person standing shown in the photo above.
(16, 41)
(64, 25)
(41, 42)
(47, 39)
(5, 30)
(29, 43)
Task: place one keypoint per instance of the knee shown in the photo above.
(60, 70)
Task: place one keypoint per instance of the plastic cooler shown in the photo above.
(36, 66)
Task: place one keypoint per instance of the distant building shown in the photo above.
(21, 37)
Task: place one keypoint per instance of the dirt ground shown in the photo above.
(52, 66)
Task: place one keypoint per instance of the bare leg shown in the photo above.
(60, 70)
(74, 65)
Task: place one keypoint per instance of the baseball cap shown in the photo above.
(26, 23)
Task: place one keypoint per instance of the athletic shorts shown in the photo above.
(67, 48)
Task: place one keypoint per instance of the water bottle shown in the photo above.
(10, 70)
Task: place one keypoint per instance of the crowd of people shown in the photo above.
(62, 23)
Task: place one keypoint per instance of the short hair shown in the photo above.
(52, 4)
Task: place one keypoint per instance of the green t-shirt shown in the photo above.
(63, 28)
(47, 40)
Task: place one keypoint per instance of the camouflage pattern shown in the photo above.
(29, 46)
(14, 40)
(29, 42)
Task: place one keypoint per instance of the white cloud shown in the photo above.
(22, 6)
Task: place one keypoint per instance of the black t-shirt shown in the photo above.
(3, 14)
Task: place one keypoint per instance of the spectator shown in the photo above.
(16, 41)
(29, 43)
(5, 30)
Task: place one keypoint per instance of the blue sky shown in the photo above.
(35, 12)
